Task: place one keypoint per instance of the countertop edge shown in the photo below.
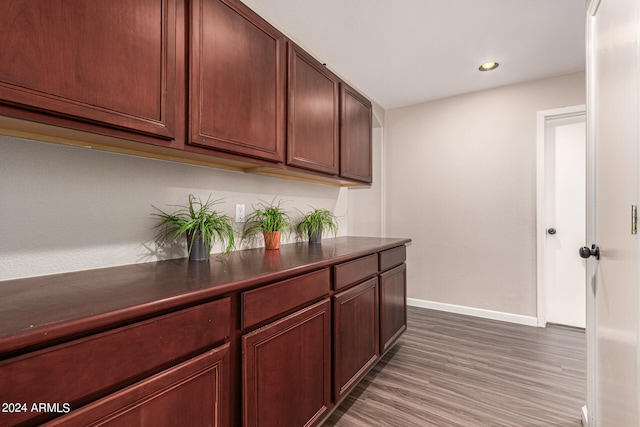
(66, 330)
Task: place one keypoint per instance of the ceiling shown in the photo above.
(406, 52)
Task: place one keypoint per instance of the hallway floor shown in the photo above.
(455, 370)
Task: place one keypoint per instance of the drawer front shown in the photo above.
(392, 257)
(354, 271)
(83, 370)
(261, 304)
(166, 398)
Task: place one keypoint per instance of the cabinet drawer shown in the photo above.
(392, 257)
(83, 370)
(354, 271)
(267, 302)
(166, 398)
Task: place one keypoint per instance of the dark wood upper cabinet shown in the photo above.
(237, 81)
(202, 81)
(312, 141)
(107, 63)
(355, 135)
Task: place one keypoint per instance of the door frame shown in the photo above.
(589, 410)
(541, 223)
(591, 413)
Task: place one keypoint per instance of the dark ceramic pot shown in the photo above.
(315, 238)
(200, 249)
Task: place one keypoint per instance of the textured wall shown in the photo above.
(460, 180)
(67, 208)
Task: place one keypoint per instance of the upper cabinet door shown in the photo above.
(355, 135)
(312, 141)
(238, 81)
(110, 63)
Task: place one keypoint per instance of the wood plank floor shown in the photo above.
(454, 370)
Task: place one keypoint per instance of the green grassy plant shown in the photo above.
(267, 217)
(197, 217)
(318, 220)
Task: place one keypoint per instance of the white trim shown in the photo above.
(590, 335)
(585, 416)
(541, 223)
(476, 312)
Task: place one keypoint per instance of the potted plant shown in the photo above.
(314, 223)
(202, 226)
(269, 219)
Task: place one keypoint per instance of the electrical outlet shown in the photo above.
(239, 213)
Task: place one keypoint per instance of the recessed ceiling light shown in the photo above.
(487, 66)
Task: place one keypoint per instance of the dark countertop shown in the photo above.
(48, 308)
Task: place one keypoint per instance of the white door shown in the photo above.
(564, 217)
(613, 71)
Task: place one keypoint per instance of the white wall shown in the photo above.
(68, 208)
(460, 180)
(455, 175)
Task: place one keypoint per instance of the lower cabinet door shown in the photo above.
(355, 334)
(393, 306)
(193, 393)
(286, 369)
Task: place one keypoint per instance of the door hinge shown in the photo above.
(634, 219)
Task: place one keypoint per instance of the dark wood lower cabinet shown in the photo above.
(223, 343)
(82, 370)
(355, 335)
(287, 369)
(194, 393)
(393, 306)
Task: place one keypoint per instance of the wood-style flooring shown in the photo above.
(454, 370)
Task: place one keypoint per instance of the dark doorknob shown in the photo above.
(585, 252)
(551, 231)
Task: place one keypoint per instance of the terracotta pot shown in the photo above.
(271, 239)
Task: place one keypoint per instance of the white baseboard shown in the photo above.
(477, 312)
